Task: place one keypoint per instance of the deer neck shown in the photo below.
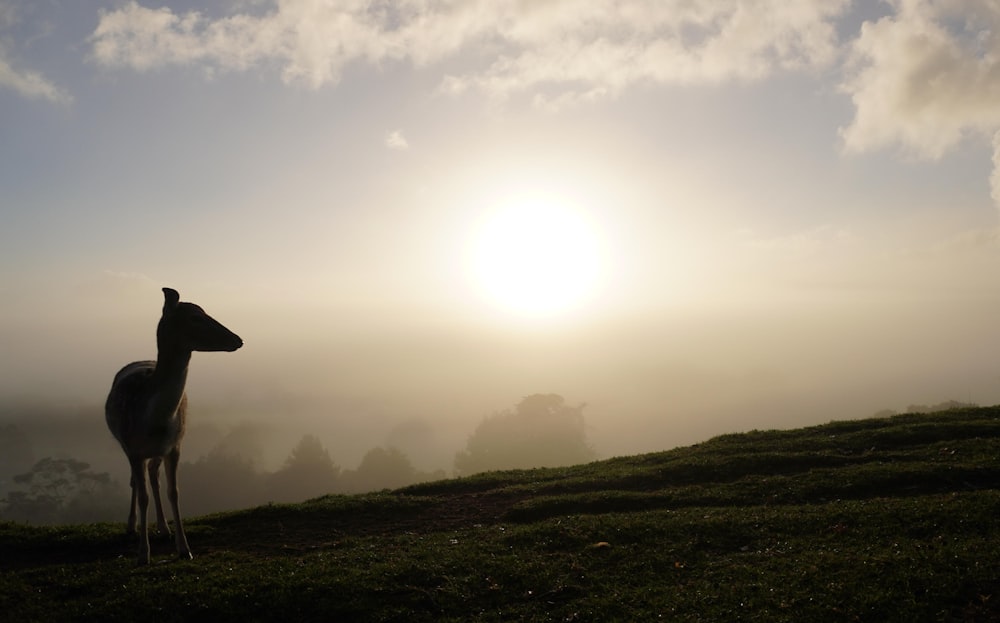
(170, 376)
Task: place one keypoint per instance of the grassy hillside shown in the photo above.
(892, 519)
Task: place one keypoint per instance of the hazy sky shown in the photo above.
(696, 217)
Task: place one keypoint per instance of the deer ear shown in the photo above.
(170, 299)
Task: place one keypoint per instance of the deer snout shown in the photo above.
(222, 339)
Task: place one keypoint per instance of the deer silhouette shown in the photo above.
(147, 407)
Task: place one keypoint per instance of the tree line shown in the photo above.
(541, 430)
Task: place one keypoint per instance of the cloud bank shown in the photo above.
(578, 50)
(922, 79)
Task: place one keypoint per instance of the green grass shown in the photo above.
(871, 520)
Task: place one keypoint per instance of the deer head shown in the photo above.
(186, 327)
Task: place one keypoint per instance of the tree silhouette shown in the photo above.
(246, 440)
(308, 472)
(16, 454)
(221, 480)
(381, 468)
(541, 431)
(63, 491)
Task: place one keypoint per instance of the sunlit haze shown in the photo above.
(695, 218)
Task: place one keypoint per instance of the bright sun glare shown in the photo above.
(535, 256)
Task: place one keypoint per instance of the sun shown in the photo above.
(535, 256)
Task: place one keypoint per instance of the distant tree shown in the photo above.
(246, 440)
(942, 406)
(541, 431)
(103, 500)
(16, 454)
(308, 472)
(219, 481)
(381, 468)
(948, 405)
(62, 491)
(419, 440)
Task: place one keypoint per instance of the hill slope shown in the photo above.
(873, 520)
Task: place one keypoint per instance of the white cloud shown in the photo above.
(606, 48)
(30, 84)
(925, 77)
(311, 41)
(396, 140)
(995, 175)
(574, 50)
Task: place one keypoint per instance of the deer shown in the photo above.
(146, 412)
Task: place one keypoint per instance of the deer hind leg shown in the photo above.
(142, 497)
(130, 529)
(154, 483)
(170, 464)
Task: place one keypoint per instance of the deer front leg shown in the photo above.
(170, 465)
(154, 484)
(142, 495)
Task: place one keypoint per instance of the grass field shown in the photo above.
(893, 519)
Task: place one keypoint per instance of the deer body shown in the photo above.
(146, 411)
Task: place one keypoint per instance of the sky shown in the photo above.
(694, 217)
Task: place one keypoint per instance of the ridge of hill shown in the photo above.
(882, 519)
